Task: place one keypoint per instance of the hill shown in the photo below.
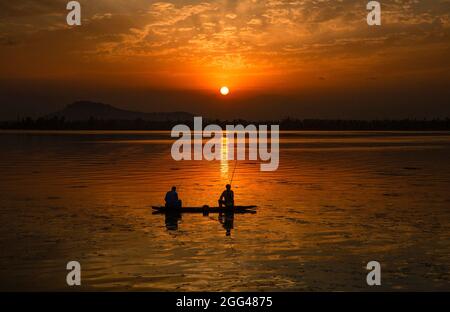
(86, 110)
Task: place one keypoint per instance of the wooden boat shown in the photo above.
(205, 209)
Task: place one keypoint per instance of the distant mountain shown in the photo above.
(85, 110)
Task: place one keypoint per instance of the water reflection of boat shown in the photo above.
(205, 210)
(171, 220)
(226, 215)
(227, 221)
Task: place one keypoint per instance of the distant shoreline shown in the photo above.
(88, 115)
(56, 123)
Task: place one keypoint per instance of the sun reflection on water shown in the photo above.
(224, 158)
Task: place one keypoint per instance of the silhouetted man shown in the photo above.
(172, 200)
(227, 198)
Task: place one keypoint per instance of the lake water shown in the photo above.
(337, 201)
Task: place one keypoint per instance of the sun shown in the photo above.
(224, 90)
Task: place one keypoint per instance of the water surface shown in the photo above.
(337, 201)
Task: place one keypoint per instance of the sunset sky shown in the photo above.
(310, 58)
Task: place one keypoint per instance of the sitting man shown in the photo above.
(172, 200)
(227, 198)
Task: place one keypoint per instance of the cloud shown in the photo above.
(273, 35)
(100, 16)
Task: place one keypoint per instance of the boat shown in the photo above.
(205, 209)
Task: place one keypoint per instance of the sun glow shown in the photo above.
(224, 90)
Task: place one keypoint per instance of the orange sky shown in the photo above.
(254, 47)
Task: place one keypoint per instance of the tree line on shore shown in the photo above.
(60, 123)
